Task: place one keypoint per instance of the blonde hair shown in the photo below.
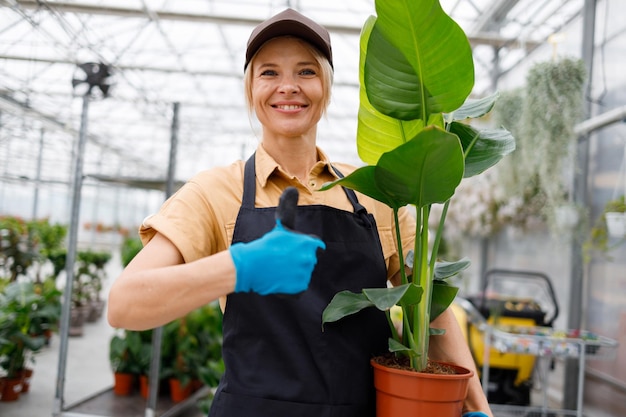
(325, 68)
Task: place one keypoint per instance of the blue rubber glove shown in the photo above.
(475, 414)
(280, 262)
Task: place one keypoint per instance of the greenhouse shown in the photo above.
(124, 116)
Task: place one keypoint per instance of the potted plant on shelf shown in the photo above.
(416, 73)
(19, 304)
(122, 358)
(129, 356)
(191, 353)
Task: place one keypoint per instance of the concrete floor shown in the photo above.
(87, 372)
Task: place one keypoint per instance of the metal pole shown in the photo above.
(70, 258)
(580, 197)
(38, 175)
(157, 334)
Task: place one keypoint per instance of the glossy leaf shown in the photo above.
(343, 304)
(443, 295)
(436, 66)
(346, 303)
(423, 171)
(445, 270)
(377, 133)
(486, 147)
(474, 108)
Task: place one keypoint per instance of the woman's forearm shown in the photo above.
(156, 287)
(452, 347)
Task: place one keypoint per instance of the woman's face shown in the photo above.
(287, 91)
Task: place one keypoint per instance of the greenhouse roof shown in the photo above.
(190, 52)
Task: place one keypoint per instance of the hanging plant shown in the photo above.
(527, 189)
(552, 107)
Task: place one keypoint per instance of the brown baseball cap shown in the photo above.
(289, 22)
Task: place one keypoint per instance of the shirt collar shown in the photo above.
(266, 165)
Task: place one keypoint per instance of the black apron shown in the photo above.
(279, 361)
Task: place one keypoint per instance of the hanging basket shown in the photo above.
(616, 224)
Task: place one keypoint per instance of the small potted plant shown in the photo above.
(615, 217)
(19, 303)
(416, 73)
(122, 352)
(609, 230)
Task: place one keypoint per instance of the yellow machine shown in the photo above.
(509, 298)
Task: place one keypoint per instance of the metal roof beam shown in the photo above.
(83, 8)
(494, 15)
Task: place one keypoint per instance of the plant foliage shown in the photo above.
(416, 73)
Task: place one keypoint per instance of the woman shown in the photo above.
(217, 238)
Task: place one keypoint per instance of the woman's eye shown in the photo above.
(268, 73)
(308, 71)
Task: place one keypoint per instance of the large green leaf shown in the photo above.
(436, 68)
(345, 303)
(423, 171)
(486, 147)
(443, 296)
(392, 86)
(377, 133)
(444, 269)
(363, 180)
(475, 108)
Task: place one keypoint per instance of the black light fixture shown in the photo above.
(90, 75)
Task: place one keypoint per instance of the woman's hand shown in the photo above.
(280, 262)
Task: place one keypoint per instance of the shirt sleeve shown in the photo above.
(190, 218)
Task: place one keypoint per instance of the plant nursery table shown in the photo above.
(545, 343)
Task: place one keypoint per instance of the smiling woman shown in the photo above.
(222, 236)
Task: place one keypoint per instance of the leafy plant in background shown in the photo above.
(415, 82)
(130, 247)
(529, 189)
(19, 305)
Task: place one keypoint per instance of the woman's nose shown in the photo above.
(288, 85)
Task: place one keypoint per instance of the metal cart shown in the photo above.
(509, 330)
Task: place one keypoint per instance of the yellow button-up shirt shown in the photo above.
(199, 219)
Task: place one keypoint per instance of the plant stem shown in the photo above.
(400, 252)
(422, 310)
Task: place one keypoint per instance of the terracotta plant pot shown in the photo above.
(144, 386)
(12, 389)
(178, 392)
(402, 393)
(27, 374)
(123, 383)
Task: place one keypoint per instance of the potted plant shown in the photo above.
(191, 353)
(615, 217)
(129, 357)
(123, 364)
(416, 72)
(19, 304)
(610, 224)
(91, 265)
